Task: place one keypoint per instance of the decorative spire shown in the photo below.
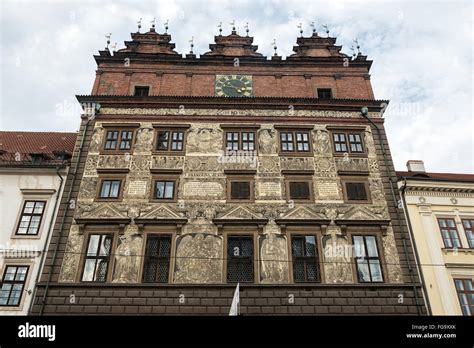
(247, 28)
(274, 44)
(191, 44)
(300, 27)
(220, 28)
(166, 26)
(357, 45)
(314, 27)
(114, 46)
(108, 40)
(233, 26)
(325, 26)
(153, 23)
(139, 24)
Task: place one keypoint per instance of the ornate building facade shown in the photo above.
(195, 174)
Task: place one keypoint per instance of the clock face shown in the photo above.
(233, 86)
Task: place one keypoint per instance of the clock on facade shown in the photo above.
(233, 86)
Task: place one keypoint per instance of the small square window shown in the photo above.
(324, 93)
(240, 190)
(141, 91)
(294, 141)
(170, 140)
(164, 189)
(299, 190)
(118, 138)
(356, 191)
(110, 189)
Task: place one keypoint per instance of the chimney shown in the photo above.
(416, 166)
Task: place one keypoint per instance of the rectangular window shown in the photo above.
(122, 138)
(164, 189)
(240, 190)
(97, 258)
(350, 142)
(110, 189)
(30, 219)
(469, 230)
(324, 93)
(356, 191)
(170, 140)
(141, 91)
(240, 140)
(294, 141)
(240, 259)
(305, 258)
(299, 190)
(449, 232)
(157, 258)
(465, 290)
(367, 258)
(13, 284)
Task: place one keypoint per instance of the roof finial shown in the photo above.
(300, 27)
(192, 44)
(220, 28)
(274, 44)
(108, 40)
(314, 27)
(166, 26)
(153, 23)
(247, 28)
(114, 46)
(233, 26)
(357, 45)
(139, 24)
(325, 26)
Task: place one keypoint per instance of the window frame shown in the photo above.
(170, 131)
(295, 151)
(240, 178)
(134, 90)
(146, 257)
(464, 292)
(347, 133)
(299, 178)
(304, 231)
(367, 233)
(24, 283)
(163, 177)
(470, 220)
(117, 149)
(22, 212)
(109, 231)
(356, 180)
(455, 228)
(250, 231)
(240, 141)
(117, 177)
(331, 94)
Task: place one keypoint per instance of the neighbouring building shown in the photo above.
(440, 210)
(197, 173)
(33, 168)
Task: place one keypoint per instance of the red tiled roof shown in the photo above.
(437, 176)
(37, 142)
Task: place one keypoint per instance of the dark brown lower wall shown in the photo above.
(119, 299)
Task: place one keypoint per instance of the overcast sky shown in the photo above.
(422, 53)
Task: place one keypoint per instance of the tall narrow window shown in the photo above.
(31, 217)
(170, 140)
(367, 259)
(302, 141)
(157, 258)
(469, 229)
(248, 141)
(240, 259)
(97, 258)
(232, 141)
(164, 189)
(449, 232)
(305, 258)
(177, 141)
(110, 189)
(141, 91)
(111, 140)
(465, 290)
(126, 140)
(286, 140)
(13, 284)
(355, 142)
(340, 144)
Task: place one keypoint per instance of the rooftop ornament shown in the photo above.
(300, 27)
(166, 26)
(139, 25)
(220, 28)
(325, 26)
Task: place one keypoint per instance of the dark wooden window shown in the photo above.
(356, 191)
(164, 189)
(449, 232)
(122, 138)
(13, 284)
(324, 93)
(469, 229)
(110, 189)
(369, 269)
(240, 190)
(299, 190)
(465, 290)
(350, 142)
(240, 140)
(157, 258)
(294, 141)
(30, 219)
(170, 140)
(240, 259)
(97, 258)
(141, 91)
(305, 258)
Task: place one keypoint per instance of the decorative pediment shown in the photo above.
(302, 212)
(360, 213)
(162, 212)
(105, 211)
(239, 213)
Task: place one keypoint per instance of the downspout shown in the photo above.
(417, 256)
(363, 113)
(50, 229)
(63, 219)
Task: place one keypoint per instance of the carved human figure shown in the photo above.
(267, 141)
(322, 142)
(96, 140)
(144, 139)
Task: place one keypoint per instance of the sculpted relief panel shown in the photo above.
(145, 135)
(321, 141)
(72, 256)
(297, 163)
(273, 255)
(204, 138)
(127, 256)
(167, 162)
(391, 257)
(267, 141)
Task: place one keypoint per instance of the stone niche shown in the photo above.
(72, 256)
(198, 258)
(273, 255)
(337, 256)
(127, 256)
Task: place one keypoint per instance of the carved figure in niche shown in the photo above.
(96, 140)
(127, 259)
(369, 142)
(144, 139)
(322, 142)
(204, 140)
(267, 141)
(337, 257)
(272, 259)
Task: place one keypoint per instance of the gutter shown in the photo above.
(63, 219)
(50, 229)
(410, 268)
(417, 256)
